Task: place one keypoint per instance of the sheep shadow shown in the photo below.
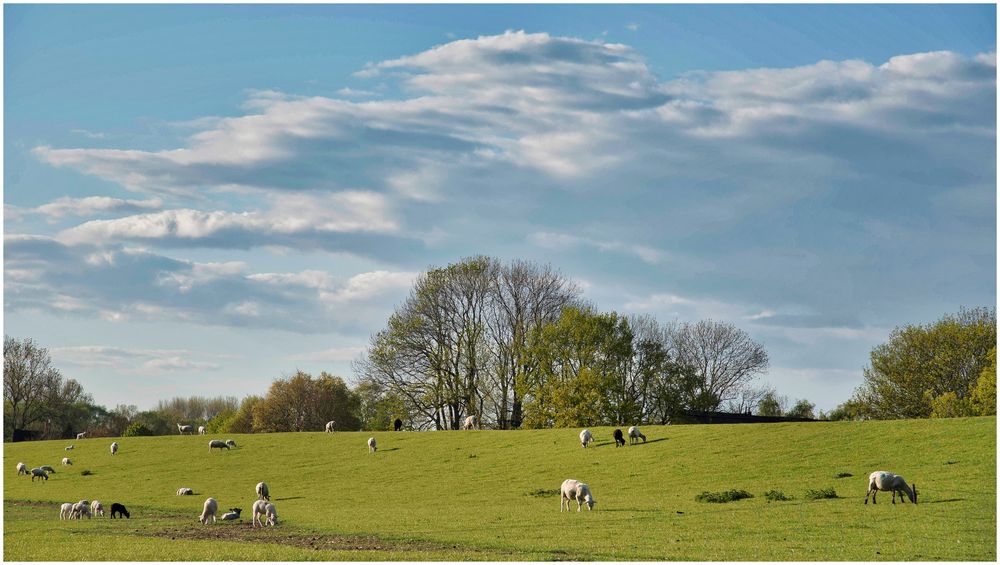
(945, 500)
(288, 498)
(389, 449)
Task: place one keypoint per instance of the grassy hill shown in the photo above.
(493, 495)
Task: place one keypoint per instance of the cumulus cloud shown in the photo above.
(95, 205)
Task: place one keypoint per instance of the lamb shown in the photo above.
(80, 509)
(120, 510)
(262, 492)
(67, 461)
(886, 481)
(217, 443)
(266, 509)
(575, 490)
(329, 426)
(202, 431)
(96, 508)
(619, 439)
(48, 469)
(371, 445)
(211, 506)
(81, 435)
(635, 434)
(585, 438)
(469, 423)
(114, 447)
(233, 514)
(231, 443)
(22, 469)
(69, 448)
(66, 511)
(185, 428)
(397, 425)
(184, 491)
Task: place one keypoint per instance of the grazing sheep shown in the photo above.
(69, 448)
(329, 426)
(81, 435)
(231, 442)
(183, 491)
(217, 443)
(211, 506)
(886, 481)
(66, 511)
(266, 509)
(585, 438)
(202, 431)
(48, 469)
(397, 425)
(67, 461)
(233, 514)
(114, 447)
(371, 445)
(469, 423)
(634, 434)
(119, 509)
(272, 514)
(185, 428)
(80, 509)
(575, 490)
(619, 439)
(96, 508)
(22, 469)
(262, 492)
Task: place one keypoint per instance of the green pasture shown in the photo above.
(492, 495)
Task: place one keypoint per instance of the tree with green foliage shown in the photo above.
(930, 370)
(984, 396)
(772, 404)
(242, 421)
(802, 409)
(302, 403)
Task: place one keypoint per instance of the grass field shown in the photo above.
(487, 495)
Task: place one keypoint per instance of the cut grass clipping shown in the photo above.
(725, 496)
(775, 496)
(821, 493)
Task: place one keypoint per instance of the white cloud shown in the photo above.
(92, 205)
(133, 361)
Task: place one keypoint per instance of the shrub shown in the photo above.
(137, 429)
(775, 495)
(821, 493)
(725, 496)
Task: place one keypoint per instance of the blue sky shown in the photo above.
(199, 199)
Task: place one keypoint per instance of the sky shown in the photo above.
(200, 199)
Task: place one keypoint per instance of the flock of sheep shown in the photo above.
(265, 513)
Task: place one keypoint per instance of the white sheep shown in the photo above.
(69, 448)
(233, 514)
(585, 438)
(114, 447)
(181, 428)
(469, 423)
(48, 469)
(202, 431)
(329, 426)
(80, 509)
(211, 507)
(634, 434)
(262, 491)
(67, 461)
(184, 491)
(22, 469)
(371, 445)
(265, 509)
(66, 511)
(39, 472)
(575, 490)
(96, 508)
(217, 443)
(231, 443)
(81, 435)
(886, 481)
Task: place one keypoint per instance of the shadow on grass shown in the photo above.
(288, 498)
(390, 449)
(942, 501)
(631, 510)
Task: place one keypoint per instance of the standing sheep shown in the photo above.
(272, 514)
(575, 490)
(886, 481)
(66, 511)
(67, 461)
(22, 469)
(181, 428)
(265, 509)
(585, 438)
(262, 492)
(48, 469)
(114, 447)
(202, 431)
(211, 507)
(397, 425)
(469, 423)
(231, 442)
(219, 444)
(96, 508)
(120, 510)
(38, 472)
(619, 439)
(634, 434)
(329, 426)
(81, 435)
(80, 509)
(371, 445)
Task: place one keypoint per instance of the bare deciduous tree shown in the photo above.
(726, 358)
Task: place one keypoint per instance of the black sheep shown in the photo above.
(120, 509)
(397, 425)
(619, 438)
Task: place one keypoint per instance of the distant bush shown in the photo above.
(775, 495)
(726, 496)
(821, 493)
(842, 475)
(86, 472)
(137, 429)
